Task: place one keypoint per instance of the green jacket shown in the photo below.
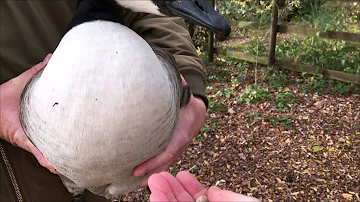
(29, 31)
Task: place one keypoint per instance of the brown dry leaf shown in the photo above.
(219, 182)
(346, 196)
(280, 181)
(231, 111)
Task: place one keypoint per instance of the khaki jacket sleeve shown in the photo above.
(171, 34)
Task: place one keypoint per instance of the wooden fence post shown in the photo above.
(191, 29)
(273, 32)
(211, 41)
(211, 47)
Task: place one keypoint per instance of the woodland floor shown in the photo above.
(309, 152)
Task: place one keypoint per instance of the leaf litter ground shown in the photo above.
(307, 152)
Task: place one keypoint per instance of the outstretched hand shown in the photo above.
(185, 187)
(11, 130)
(191, 119)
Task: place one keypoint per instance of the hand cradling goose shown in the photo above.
(96, 111)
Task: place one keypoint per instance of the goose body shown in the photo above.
(95, 119)
(105, 102)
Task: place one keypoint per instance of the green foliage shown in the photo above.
(284, 121)
(242, 65)
(228, 92)
(276, 81)
(203, 55)
(320, 53)
(246, 10)
(317, 148)
(330, 54)
(283, 99)
(255, 47)
(205, 129)
(253, 94)
(318, 84)
(338, 16)
(314, 13)
(216, 106)
(342, 89)
(253, 115)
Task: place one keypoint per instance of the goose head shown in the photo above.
(195, 11)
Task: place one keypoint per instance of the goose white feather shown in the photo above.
(96, 118)
(146, 6)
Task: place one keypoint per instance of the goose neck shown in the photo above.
(92, 10)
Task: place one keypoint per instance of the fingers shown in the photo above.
(40, 158)
(160, 188)
(152, 163)
(183, 81)
(216, 194)
(191, 184)
(178, 190)
(158, 196)
(158, 163)
(23, 78)
(11, 99)
(164, 184)
(162, 161)
(144, 179)
(166, 157)
(23, 142)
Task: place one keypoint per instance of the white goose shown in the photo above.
(107, 100)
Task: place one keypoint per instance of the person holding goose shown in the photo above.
(15, 135)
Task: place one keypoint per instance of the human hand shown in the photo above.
(185, 187)
(191, 119)
(216, 194)
(11, 130)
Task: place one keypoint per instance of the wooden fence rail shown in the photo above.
(286, 64)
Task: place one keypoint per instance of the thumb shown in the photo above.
(23, 78)
(216, 194)
(183, 81)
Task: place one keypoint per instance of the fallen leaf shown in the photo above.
(317, 148)
(264, 123)
(347, 196)
(321, 180)
(231, 111)
(349, 176)
(242, 156)
(332, 150)
(219, 181)
(280, 181)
